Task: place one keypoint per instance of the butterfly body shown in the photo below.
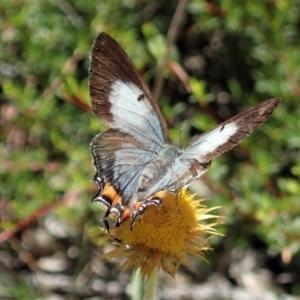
(134, 161)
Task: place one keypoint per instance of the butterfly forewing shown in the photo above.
(226, 135)
(120, 98)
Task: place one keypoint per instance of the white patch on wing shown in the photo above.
(212, 140)
(134, 115)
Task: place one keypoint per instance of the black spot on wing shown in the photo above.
(246, 121)
(141, 97)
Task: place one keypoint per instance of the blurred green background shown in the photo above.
(227, 56)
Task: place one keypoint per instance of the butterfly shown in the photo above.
(135, 164)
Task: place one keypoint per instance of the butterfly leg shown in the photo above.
(106, 226)
(106, 201)
(141, 207)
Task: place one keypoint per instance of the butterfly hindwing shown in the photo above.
(119, 160)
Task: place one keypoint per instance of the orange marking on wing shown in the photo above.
(159, 195)
(137, 205)
(110, 192)
(126, 214)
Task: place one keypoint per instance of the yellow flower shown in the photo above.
(164, 236)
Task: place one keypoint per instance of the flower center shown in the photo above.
(164, 228)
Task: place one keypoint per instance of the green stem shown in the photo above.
(137, 284)
(151, 286)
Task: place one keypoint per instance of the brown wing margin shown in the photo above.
(246, 121)
(109, 63)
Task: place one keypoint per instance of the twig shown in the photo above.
(5, 235)
(171, 36)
